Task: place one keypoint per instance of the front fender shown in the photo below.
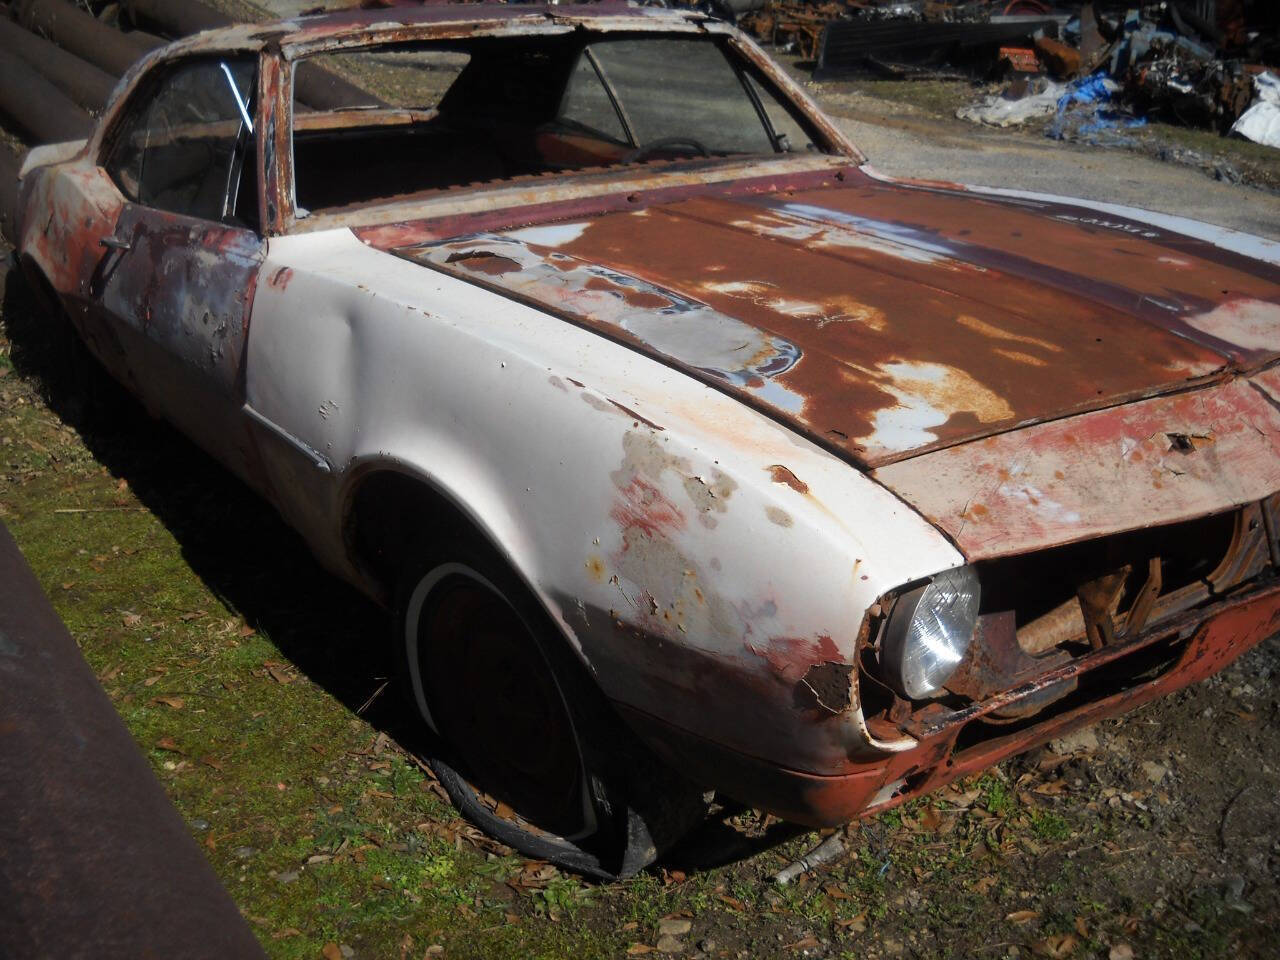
(700, 558)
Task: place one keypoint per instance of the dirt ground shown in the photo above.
(256, 684)
(909, 129)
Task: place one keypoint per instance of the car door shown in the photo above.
(175, 284)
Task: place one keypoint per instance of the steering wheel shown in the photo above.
(646, 150)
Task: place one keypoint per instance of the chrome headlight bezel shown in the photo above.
(928, 633)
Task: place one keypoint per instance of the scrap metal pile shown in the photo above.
(1200, 63)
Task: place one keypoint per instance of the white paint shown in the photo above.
(551, 235)
(470, 390)
(1252, 324)
(928, 395)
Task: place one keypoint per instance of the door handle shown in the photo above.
(116, 243)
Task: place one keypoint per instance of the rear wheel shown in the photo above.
(523, 741)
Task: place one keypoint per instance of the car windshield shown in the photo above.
(374, 123)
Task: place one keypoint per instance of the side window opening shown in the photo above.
(188, 146)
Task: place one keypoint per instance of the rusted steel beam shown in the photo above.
(10, 163)
(42, 112)
(77, 32)
(87, 85)
(96, 862)
(314, 86)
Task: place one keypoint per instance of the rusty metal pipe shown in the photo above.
(175, 19)
(313, 85)
(77, 32)
(36, 107)
(97, 862)
(10, 164)
(87, 85)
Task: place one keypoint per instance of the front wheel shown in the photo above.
(522, 740)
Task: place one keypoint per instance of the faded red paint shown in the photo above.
(791, 657)
(641, 507)
(1040, 485)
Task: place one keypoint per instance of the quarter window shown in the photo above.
(187, 144)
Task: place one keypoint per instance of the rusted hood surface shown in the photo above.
(885, 320)
(1157, 461)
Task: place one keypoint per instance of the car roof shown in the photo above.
(303, 34)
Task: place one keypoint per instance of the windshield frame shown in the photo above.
(834, 148)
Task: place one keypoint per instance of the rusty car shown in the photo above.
(688, 451)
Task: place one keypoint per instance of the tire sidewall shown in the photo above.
(591, 854)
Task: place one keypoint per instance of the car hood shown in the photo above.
(885, 320)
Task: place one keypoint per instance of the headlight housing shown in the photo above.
(929, 632)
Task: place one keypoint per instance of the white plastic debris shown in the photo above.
(828, 850)
(1261, 122)
(1000, 111)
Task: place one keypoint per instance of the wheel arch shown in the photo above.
(378, 542)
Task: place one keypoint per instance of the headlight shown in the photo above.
(929, 632)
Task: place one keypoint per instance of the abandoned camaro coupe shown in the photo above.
(690, 452)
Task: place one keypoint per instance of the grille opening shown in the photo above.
(1034, 584)
(1140, 667)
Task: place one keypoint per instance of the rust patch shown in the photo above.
(280, 278)
(831, 685)
(638, 418)
(596, 569)
(485, 261)
(781, 474)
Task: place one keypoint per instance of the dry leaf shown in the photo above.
(1082, 928)
(175, 703)
(1120, 951)
(930, 819)
(331, 951)
(1022, 916)
(1052, 788)
(191, 615)
(167, 743)
(131, 619)
(286, 932)
(246, 631)
(983, 886)
(111, 674)
(1057, 946)
(638, 949)
(278, 674)
(835, 893)
(856, 924)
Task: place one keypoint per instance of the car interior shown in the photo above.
(448, 114)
